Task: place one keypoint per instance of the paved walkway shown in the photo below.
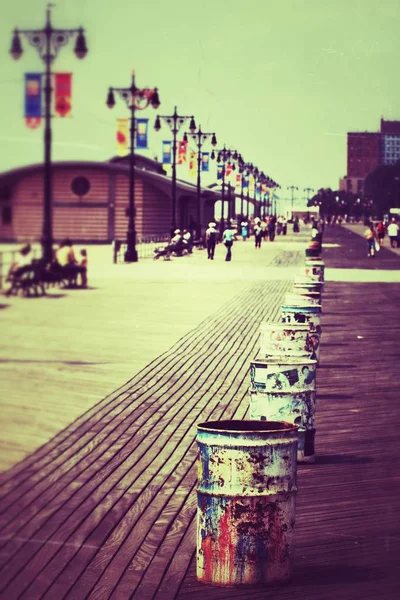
(106, 508)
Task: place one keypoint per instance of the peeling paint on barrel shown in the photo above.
(285, 374)
(246, 501)
(310, 315)
(297, 407)
(279, 339)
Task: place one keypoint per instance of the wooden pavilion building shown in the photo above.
(90, 201)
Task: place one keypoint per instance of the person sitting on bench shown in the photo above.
(20, 265)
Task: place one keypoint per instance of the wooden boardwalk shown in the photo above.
(106, 509)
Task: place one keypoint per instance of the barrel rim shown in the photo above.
(300, 326)
(246, 426)
(286, 360)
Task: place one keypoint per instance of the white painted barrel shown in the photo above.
(285, 374)
(297, 407)
(305, 315)
(315, 269)
(279, 339)
(246, 498)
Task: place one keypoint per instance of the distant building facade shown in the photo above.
(366, 151)
(390, 142)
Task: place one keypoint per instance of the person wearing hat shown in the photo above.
(211, 239)
(176, 237)
(228, 237)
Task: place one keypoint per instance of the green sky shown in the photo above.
(280, 81)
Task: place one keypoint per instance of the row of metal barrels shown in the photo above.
(247, 470)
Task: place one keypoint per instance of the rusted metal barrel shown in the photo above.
(297, 407)
(284, 389)
(246, 501)
(315, 269)
(310, 315)
(280, 339)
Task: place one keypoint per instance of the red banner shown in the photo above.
(122, 137)
(182, 150)
(62, 94)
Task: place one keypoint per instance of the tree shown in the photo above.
(382, 188)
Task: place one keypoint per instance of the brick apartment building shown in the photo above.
(367, 150)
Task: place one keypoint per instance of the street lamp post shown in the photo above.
(200, 137)
(48, 42)
(135, 99)
(257, 209)
(292, 188)
(175, 123)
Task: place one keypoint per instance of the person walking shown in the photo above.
(372, 240)
(211, 240)
(381, 230)
(227, 239)
(257, 235)
(271, 228)
(244, 230)
(393, 232)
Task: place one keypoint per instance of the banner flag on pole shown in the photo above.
(205, 161)
(141, 133)
(258, 189)
(166, 152)
(122, 137)
(238, 181)
(62, 94)
(33, 100)
(182, 152)
(220, 171)
(228, 170)
(245, 183)
(192, 162)
(251, 186)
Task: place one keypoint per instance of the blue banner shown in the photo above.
(245, 182)
(167, 152)
(258, 190)
(33, 99)
(205, 161)
(220, 171)
(141, 133)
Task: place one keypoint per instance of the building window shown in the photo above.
(80, 186)
(6, 215)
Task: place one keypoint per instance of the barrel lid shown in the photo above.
(251, 426)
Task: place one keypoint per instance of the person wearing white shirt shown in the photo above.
(393, 232)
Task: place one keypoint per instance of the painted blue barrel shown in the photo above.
(315, 269)
(297, 407)
(246, 498)
(280, 339)
(310, 315)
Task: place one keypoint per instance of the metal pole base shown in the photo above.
(131, 255)
(47, 250)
